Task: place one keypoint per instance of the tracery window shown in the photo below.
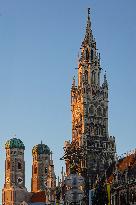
(99, 111)
(86, 75)
(91, 110)
(87, 54)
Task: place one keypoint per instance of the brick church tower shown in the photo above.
(43, 175)
(89, 106)
(14, 191)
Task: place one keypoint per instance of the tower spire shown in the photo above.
(89, 106)
(88, 34)
(88, 12)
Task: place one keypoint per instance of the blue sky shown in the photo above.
(39, 43)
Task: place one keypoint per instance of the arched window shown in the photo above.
(104, 112)
(46, 170)
(87, 54)
(19, 165)
(8, 164)
(93, 77)
(91, 110)
(96, 130)
(35, 169)
(99, 130)
(99, 111)
(92, 54)
(86, 75)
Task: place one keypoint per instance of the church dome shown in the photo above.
(14, 143)
(41, 149)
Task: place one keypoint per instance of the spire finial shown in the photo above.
(105, 76)
(105, 79)
(88, 34)
(41, 141)
(88, 12)
(105, 73)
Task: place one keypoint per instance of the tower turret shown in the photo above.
(14, 190)
(43, 175)
(40, 167)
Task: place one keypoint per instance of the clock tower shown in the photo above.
(14, 191)
(89, 106)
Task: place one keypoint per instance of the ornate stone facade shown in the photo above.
(89, 106)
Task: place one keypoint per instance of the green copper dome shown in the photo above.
(41, 149)
(14, 143)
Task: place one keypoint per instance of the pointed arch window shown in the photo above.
(99, 130)
(93, 77)
(92, 127)
(96, 130)
(19, 165)
(87, 54)
(99, 111)
(86, 75)
(35, 169)
(8, 164)
(92, 54)
(91, 110)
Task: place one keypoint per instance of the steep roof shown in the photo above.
(128, 161)
(125, 163)
(38, 197)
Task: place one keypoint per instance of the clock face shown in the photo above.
(19, 180)
(8, 180)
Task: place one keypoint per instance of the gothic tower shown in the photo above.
(43, 176)
(89, 106)
(14, 191)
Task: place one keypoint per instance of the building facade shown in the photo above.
(89, 107)
(123, 181)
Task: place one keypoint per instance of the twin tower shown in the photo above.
(43, 176)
